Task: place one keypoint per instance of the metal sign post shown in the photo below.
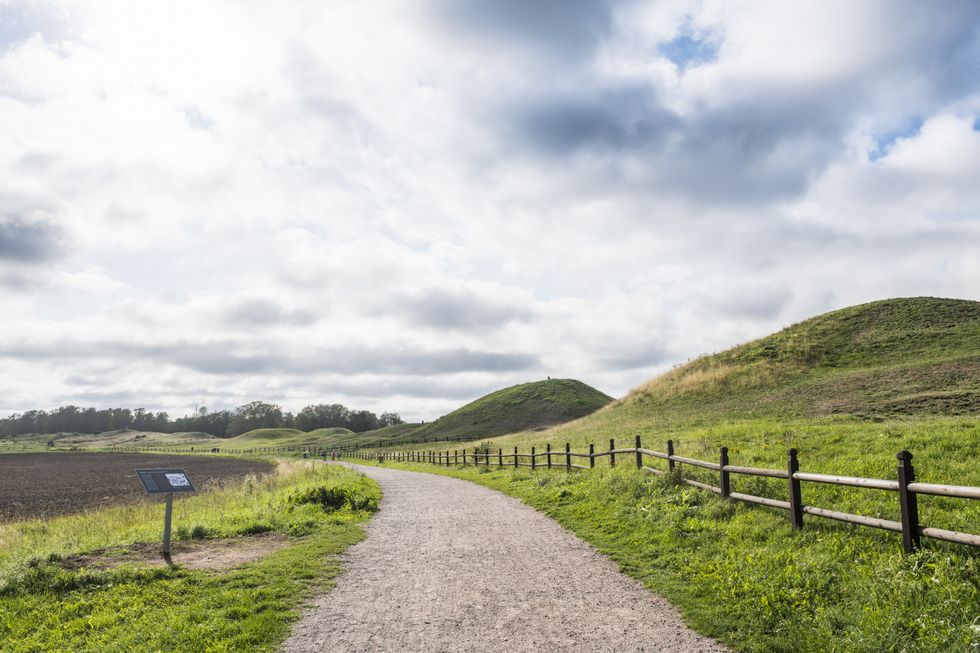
(165, 481)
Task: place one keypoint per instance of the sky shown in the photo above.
(405, 204)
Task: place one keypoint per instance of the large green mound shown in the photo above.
(916, 356)
(524, 407)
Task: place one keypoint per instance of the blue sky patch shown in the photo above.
(885, 141)
(686, 51)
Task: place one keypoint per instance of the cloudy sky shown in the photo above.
(404, 204)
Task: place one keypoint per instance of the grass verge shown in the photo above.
(45, 607)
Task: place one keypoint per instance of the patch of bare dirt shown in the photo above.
(217, 554)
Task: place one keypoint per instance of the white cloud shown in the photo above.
(210, 203)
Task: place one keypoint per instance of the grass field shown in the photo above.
(46, 606)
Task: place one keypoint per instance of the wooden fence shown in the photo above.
(904, 484)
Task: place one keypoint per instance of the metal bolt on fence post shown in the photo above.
(909, 502)
(726, 481)
(591, 456)
(795, 494)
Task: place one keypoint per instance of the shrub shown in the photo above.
(328, 498)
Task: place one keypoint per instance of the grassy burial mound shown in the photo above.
(917, 356)
(279, 437)
(525, 407)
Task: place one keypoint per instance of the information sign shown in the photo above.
(164, 481)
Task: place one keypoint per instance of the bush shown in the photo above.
(328, 498)
(355, 494)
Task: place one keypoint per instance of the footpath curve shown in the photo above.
(449, 566)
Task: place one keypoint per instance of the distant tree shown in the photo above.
(322, 416)
(390, 419)
(362, 420)
(255, 415)
(139, 419)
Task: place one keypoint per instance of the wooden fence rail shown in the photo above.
(905, 484)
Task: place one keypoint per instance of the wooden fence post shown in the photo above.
(591, 456)
(612, 453)
(515, 457)
(500, 457)
(909, 503)
(639, 456)
(795, 495)
(568, 457)
(486, 457)
(670, 456)
(533, 459)
(548, 457)
(726, 481)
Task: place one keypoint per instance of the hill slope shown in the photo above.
(916, 356)
(524, 407)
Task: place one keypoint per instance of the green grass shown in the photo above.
(741, 574)
(522, 407)
(46, 607)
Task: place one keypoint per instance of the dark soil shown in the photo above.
(48, 484)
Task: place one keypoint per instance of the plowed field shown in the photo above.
(48, 484)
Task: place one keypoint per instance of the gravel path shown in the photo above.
(449, 565)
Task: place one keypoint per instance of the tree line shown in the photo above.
(221, 423)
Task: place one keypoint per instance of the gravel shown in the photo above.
(449, 565)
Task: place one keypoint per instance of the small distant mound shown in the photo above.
(910, 356)
(524, 407)
(263, 435)
(288, 437)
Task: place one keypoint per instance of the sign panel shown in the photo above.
(165, 481)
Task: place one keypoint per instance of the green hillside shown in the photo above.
(918, 356)
(525, 407)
